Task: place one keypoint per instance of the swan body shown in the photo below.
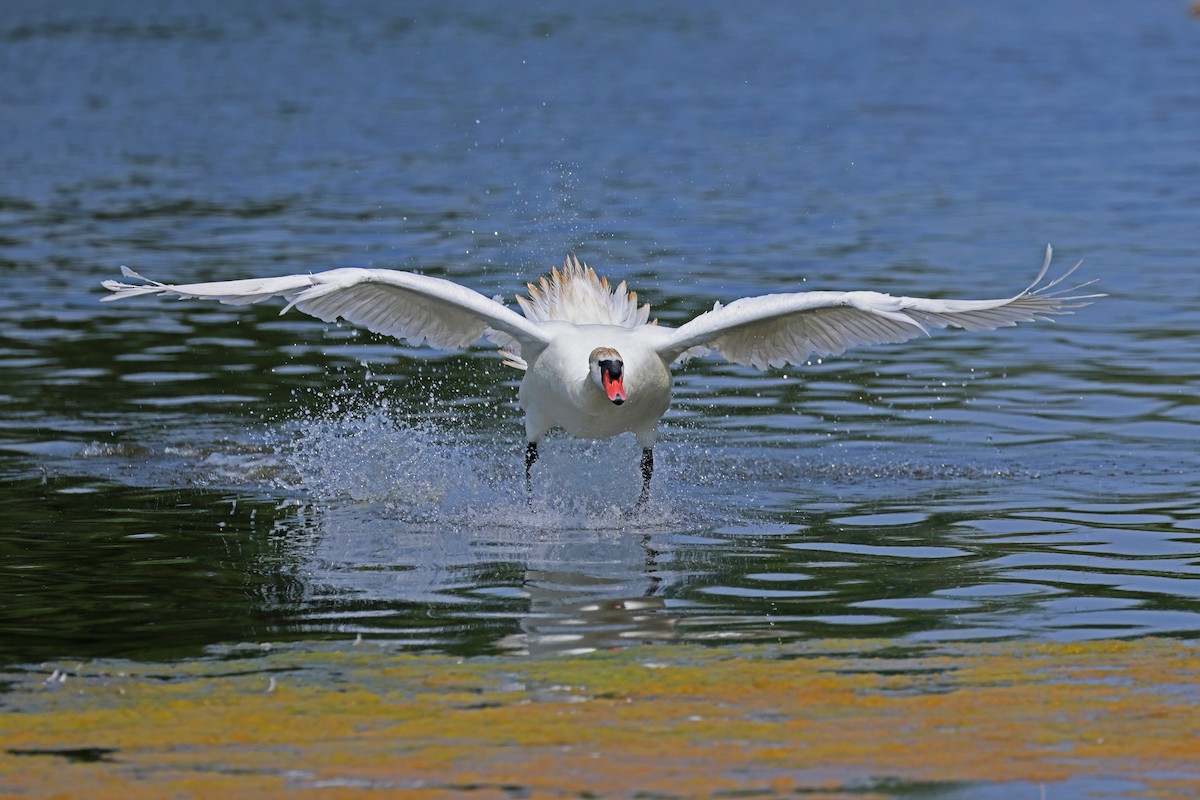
(559, 388)
(595, 364)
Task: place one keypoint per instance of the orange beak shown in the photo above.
(613, 387)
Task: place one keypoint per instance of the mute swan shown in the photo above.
(594, 364)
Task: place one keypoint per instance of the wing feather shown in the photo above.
(778, 329)
(417, 308)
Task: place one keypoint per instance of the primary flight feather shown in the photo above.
(595, 364)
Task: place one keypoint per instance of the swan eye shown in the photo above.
(610, 366)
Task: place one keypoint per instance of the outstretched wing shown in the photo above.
(778, 329)
(418, 308)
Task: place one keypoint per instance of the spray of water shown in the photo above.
(427, 468)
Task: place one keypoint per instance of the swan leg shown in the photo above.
(647, 473)
(531, 455)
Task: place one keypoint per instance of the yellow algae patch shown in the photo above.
(826, 718)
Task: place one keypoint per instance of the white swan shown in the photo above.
(595, 365)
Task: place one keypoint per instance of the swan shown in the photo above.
(595, 364)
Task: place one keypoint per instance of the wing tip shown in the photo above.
(1060, 298)
(122, 290)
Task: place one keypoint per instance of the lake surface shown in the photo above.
(180, 478)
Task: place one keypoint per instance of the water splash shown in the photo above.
(369, 455)
(435, 471)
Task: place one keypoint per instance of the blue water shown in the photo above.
(182, 477)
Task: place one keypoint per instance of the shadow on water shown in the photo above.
(98, 570)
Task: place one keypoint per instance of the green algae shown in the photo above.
(828, 717)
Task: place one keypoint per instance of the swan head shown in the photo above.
(608, 372)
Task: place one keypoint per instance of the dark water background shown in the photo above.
(179, 478)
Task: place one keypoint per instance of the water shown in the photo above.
(179, 477)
